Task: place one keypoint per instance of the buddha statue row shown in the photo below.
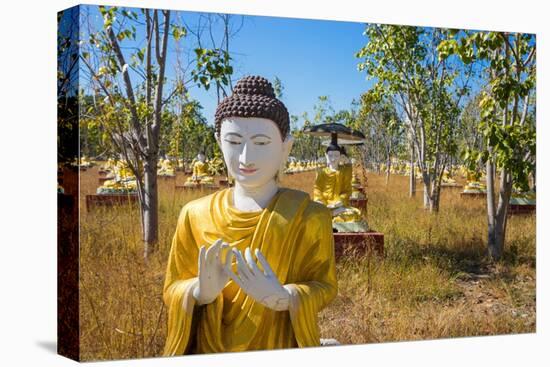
(302, 166)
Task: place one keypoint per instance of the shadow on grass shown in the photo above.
(465, 259)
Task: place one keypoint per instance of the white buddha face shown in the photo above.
(253, 149)
(333, 157)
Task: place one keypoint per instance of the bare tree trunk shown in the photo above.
(434, 197)
(150, 204)
(497, 215)
(427, 197)
(150, 207)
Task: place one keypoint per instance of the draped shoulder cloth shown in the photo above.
(333, 186)
(295, 236)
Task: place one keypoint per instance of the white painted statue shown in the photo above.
(250, 266)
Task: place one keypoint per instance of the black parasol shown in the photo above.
(338, 133)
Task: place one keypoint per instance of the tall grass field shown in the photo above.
(434, 281)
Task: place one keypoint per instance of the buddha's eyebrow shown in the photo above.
(234, 134)
(260, 136)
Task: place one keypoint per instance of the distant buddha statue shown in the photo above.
(473, 183)
(123, 182)
(166, 168)
(333, 189)
(200, 173)
(447, 178)
(250, 266)
(292, 167)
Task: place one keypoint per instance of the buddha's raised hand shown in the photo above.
(263, 286)
(212, 276)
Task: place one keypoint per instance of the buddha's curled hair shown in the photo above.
(253, 96)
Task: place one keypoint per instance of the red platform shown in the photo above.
(108, 200)
(358, 244)
(522, 209)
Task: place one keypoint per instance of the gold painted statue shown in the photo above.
(333, 189)
(123, 182)
(201, 174)
(474, 184)
(166, 168)
(251, 266)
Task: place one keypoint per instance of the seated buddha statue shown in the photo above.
(252, 265)
(123, 182)
(216, 166)
(166, 168)
(447, 179)
(333, 189)
(292, 167)
(473, 183)
(200, 173)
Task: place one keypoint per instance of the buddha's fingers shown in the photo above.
(244, 272)
(228, 260)
(235, 278)
(212, 253)
(201, 259)
(267, 269)
(251, 263)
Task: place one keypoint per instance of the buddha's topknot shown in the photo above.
(253, 96)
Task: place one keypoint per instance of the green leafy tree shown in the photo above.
(506, 104)
(127, 78)
(404, 65)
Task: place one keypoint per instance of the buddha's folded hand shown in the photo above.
(212, 276)
(263, 286)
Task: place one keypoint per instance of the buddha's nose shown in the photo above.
(246, 158)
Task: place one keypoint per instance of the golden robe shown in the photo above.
(200, 169)
(295, 236)
(333, 186)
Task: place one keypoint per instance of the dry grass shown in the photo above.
(433, 283)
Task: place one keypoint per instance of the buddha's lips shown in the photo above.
(248, 170)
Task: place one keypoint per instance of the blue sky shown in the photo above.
(311, 57)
